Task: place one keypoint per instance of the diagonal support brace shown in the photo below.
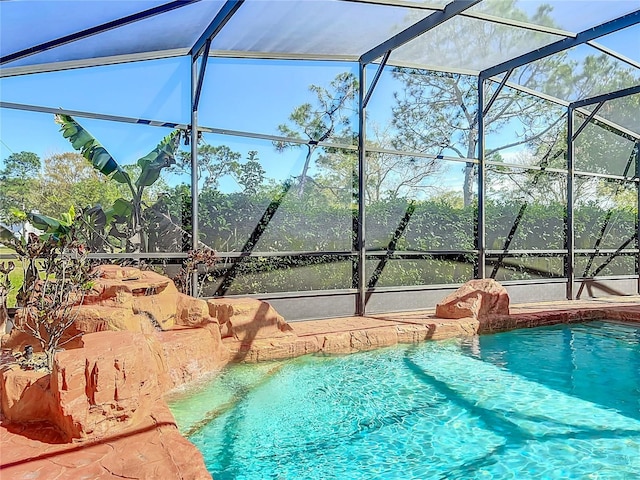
(203, 67)
(587, 120)
(374, 82)
(494, 97)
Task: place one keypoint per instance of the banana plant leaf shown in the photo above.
(121, 208)
(6, 236)
(96, 216)
(49, 225)
(91, 149)
(67, 218)
(8, 239)
(160, 157)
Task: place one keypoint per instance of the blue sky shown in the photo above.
(248, 95)
(251, 96)
(243, 95)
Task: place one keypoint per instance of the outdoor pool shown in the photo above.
(543, 403)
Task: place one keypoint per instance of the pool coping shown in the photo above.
(352, 334)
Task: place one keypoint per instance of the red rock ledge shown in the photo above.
(101, 414)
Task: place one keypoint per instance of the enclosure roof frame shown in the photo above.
(583, 37)
(89, 32)
(625, 92)
(436, 18)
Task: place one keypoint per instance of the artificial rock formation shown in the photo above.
(152, 449)
(475, 299)
(110, 383)
(25, 396)
(129, 299)
(140, 338)
(246, 319)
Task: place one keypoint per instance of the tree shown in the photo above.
(388, 175)
(251, 174)
(19, 185)
(68, 179)
(214, 163)
(437, 110)
(328, 117)
(599, 149)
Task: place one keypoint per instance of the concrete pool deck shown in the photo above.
(152, 451)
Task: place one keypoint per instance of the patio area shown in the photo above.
(155, 449)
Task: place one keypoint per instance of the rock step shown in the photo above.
(477, 299)
(247, 319)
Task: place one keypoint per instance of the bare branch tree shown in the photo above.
(329, 116)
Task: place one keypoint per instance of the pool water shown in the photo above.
(543, 403)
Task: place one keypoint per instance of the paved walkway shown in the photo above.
(153, 450)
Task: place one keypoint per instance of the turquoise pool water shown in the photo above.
(544, 403)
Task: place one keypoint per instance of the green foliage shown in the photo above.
(310, 224)
(329, 114)
(251, 174)
(540, 226)
(52, 226)
(121, 226)
(21, 165)
(68, 179)
(7, 237)
(91, 149)
(227, 221)
(11, 279)
(160, 157)
(216, 162)
(281, 274)
(53, 230)
(328, 117)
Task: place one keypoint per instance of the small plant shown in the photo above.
(5, 286)
(204, 257)
(56, 276)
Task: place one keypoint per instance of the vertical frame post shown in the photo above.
(637, 148)
(480, 220)
(362, 182)
(194, 166)
(569, 226)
